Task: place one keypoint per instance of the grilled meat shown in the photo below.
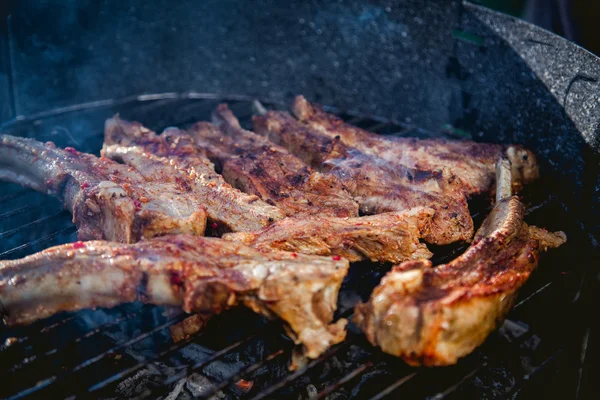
(108, 200)
(204, 275)
(377, 186)
(392, 237)
(472, 163)
(255, 165)
(434, 316)
(173, 157)
(316, 201)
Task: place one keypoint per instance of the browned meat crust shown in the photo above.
(472, 163)
(255, 165)
(434, 316)
(108, 200)
(173, 157)
(392, 237)
(377, 186)
(204, 275)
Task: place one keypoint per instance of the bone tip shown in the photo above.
(503, 179)
(258, 108)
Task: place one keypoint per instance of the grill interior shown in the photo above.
(127, 351)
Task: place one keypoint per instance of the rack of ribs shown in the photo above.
(377, 185)
(172, 157)
(472, 163)
(203, 275)
(255, 165)
(434, 316)
(108, 200)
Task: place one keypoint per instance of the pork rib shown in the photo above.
(473, 163)
(255, 165)
(377, 186)
(434, 316)
(173, 157)
(108, 200)
(392, 237)
(204, 275)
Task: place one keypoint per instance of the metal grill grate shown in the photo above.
(128, 351)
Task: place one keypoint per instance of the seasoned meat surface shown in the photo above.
(392, 237)
(377, 186)
(173, 157)
(204, 275)
(108, 200)
(255, 165)
(472, 163)
(434, 316)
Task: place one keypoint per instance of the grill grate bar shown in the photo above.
(138, 338)
(13, 196)
(201, 364)
(65, 231)
(16, 211)
(174, 347)
(543, 365)
(292, 377)
(236, 377)
(68, 318)
(461, 382)
(131, 370)
(394, 386)
(532, 295)
(48, 381)
(28, 225)
(197, 366)
(356, 372)
(87, 335)
(527, 379)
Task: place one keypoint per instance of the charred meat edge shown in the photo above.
(473, 163)
(434, 316)
(203, 275)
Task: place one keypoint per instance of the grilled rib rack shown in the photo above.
(128, 352)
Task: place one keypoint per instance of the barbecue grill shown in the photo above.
(416, 68)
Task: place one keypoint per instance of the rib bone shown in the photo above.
(434, 316)
(204, 275)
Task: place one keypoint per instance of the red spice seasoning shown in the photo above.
(78, 245)
(71, 150)
(85, 185)
(214, 225)
(138, 205)
(176, 279)
(337, 258)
